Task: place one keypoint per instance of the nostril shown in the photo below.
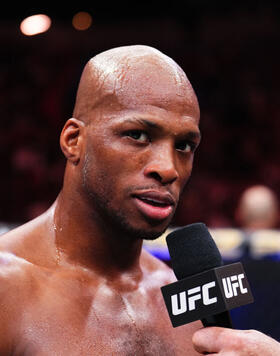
(156, 176)
(161, 172)
(163, 178)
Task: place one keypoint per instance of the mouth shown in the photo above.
(155, 205)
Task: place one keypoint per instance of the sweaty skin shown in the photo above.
(75, 280)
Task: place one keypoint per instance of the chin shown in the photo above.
(144, 230)
(146, 233)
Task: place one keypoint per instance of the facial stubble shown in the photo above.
(115, 220)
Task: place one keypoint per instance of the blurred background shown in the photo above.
(229, 51)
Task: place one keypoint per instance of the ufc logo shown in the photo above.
(232, 284)
(186, 301)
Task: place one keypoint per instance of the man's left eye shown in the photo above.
(138, 135)
(184, 146)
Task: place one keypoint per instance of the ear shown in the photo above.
(71, 139)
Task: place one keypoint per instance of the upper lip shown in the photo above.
(160, 197)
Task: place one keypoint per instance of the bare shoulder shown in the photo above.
(14, 292)
(20, 268)
(31, 241)
(11, 266)
(15, 277)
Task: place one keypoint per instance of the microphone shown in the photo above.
(206, 289)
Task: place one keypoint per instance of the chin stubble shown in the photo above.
(113, 220)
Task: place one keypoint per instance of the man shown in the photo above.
(75, 281)
(258, 208)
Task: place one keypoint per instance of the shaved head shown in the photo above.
(125, 75)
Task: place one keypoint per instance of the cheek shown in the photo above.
(185, 171)
(108, 166)
(118, 158)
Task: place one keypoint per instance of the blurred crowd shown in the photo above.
(232, 60)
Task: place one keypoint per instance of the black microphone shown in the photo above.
(206, 289)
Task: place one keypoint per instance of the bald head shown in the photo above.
(258, 208)
(128, 75)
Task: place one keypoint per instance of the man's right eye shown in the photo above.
(138, 135)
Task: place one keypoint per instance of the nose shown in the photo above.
(162, 166)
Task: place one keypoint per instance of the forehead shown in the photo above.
(161, 104)
(147, 80)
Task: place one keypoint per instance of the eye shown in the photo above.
(185, 146)
(138, 135)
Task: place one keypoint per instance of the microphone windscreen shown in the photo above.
(192, 250)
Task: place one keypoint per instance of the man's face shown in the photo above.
(139, 154)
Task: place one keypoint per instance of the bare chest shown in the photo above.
(70, 322)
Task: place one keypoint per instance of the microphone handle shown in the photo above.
(221, 319)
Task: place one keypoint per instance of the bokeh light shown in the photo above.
(82, 21)
(35, 24)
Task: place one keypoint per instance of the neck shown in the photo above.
(83, 239)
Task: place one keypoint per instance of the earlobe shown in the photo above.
(71, 139)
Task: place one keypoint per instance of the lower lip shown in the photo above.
(154, 212)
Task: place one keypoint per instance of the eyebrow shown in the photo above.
(145, 122)
(191, 135)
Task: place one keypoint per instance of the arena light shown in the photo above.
(35, 24)
(82, 21)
